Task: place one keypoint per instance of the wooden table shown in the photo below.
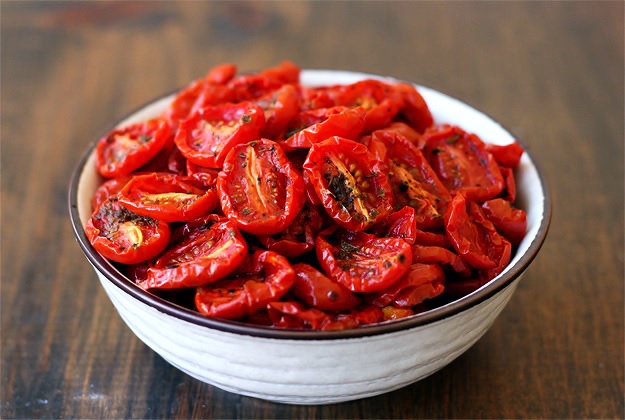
(551, 72)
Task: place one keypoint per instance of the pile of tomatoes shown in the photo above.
(324, 207)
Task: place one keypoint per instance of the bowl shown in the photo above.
(319, 367)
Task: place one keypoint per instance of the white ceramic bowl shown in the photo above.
(319, 367)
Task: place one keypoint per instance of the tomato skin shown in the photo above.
(123, 236)
(126, 149)
(280, 108)
(443, 256)
(203, 250)
(473, 236)
(337, 121)
(381, 101)
(509, 191)
(221, 74)
(297, 238)
(290, 314)
(400, 224)
(168, 197)
(414, 109)
(109, 188)
(413, 180)
(207, 136)
(316, 290)
(462, 163)
(259, 189)
(360, 261)
(509, 221)
(264, 277)
(350, 183)
(508, 155)
(421, 282)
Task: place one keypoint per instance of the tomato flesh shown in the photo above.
(208, 135)
(264, 277)
(260, 191)
(123, 236)
(167, 197)
(202, 251)
(350, 183)
(126, 149)
(360, 261)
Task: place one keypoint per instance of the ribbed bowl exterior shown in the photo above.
(307, 371)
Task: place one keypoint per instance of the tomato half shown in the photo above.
(123, 236)
(280, 108)
(208, 135)
(259, 189)
(400, 224)
(443, 256)
(473, 236)
(508, 155)
(168, 197)
(109, 188)
(263, 278)
(421, 282)
(201, 251)
(318, 291)
(462, 163)
(413, 181)
(317, 125)
(298, 237)
(381, 101)
(414, 108)
(350, 183)
(126, 149)
(360, 261)
(509, 221)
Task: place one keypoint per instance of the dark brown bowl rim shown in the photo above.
(235, 327)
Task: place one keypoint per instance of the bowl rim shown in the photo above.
(110, 272)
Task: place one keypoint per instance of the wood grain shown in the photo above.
(551, 72)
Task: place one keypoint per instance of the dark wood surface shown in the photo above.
(551, 72)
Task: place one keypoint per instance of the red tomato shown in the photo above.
(315, 289)
(109, 188)
(128, 148)
(260, 191)
(438, 255)
(508, 155)
(509, 191)
(252, 86)
(350, 182)
(289, 314)
(392, 313)
(462, 163)
(168, 197)
(221, 74)
(474, 237)
(362, 315)
(263, 278)
(509, 221)
(360, 261)
(203, 250)
(400, 224)
(123, 236)
(198, 94)
(280, 108)
(208, 135)
(436, 238)
(297, 238)
(381, 101)
(423, 281)
(414, 109)
(414, 182)
(314, 126)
